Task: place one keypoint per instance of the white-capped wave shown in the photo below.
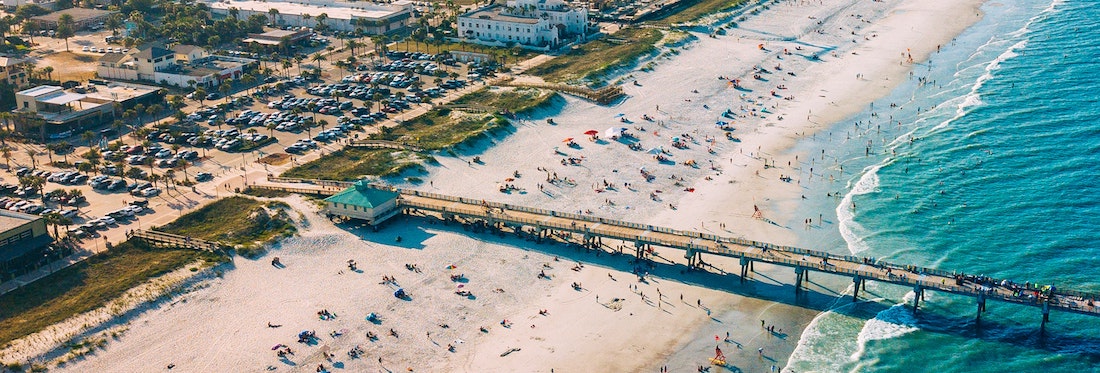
(868, 182)
(892, 322)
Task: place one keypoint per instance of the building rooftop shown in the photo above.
(112, 57)
(338, 11)
(118, 91)
(39, 90)
(185, 48)
(10, 61)
(12, 219)
(153, 53)
(494, 13)
(79, 14)
(363, 195)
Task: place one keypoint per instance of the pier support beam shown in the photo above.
(855, 290)
(918, 294)
(745, 263)
(799, 276)
(981, 305)
(1046, 314)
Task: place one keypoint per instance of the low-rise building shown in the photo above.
(371, 18)
(536, 24)
(274, 38)
(50, 112)
(363, 202)
(83, 18)
(45, 4)
(24, 242)
(14, 71)
(182, 66)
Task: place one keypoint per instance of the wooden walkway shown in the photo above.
(602, 96)
(171, 240)
(383, 144)
(592, 230)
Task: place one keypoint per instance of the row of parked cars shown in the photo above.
(104, 182)
(110, 219)
(32, 207)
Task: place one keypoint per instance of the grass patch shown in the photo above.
(599, 57)
(353, 163)
(236, 221)
(445, 128)
(699, 9)
(88, 285)
(266, 193)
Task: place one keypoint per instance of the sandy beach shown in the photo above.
(824, 60)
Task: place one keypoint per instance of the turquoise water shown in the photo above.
(996, 173)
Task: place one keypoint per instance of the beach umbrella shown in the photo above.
(676, 139)
(656, 150)
(591, 132)
(614, 131)
(619, 115)
(567, 139)
(452, 266)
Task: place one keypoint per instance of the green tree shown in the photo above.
(65, 29)
(225, 89)
(318, 58)
(199, 95)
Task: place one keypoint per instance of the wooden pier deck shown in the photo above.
(592, 230)
(695, 245)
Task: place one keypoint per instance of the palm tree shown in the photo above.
(225, 89)
(32, 154)
(199, 95)
(298, 59)
(352, 44)
(48, 70)
(33, 182)
(274, 13)
(249, 80)
(318, 58)
(286, 67)
(55, 219)
(5, 152)
(183, 164)
(88, 137)
(153, 110)
(65, 29)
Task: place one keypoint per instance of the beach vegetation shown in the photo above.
(264, 193)
(600, 57)
(350, 164)
(240, 221)
(696, 10)
(89, 285)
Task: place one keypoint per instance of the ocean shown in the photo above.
(987, 160)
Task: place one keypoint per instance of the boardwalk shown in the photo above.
(167, 239)
(592, 230)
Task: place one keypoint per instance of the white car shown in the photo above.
(149, 192)
(108, 220)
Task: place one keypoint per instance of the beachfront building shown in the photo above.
(83, 18)
(23, 243)
(363, 202)
(535, 24)
(50, 112)
(181, 66)
(14, 71)
(371, 18)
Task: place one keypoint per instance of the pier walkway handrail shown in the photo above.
(695, 243)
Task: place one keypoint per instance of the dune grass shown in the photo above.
(88, 285)
(228, 221)
(598, 57)
(354, 163)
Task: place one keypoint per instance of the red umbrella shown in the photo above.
(591, 132)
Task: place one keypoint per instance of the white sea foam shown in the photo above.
(868, 182)
(892, 322)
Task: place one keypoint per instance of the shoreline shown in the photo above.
(678, 340)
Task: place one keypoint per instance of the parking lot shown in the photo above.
(215, 150)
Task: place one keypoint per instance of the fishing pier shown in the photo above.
(590, 231)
